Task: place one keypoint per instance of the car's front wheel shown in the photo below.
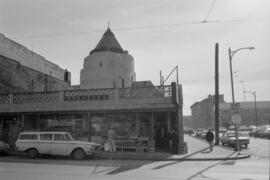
(78, 154)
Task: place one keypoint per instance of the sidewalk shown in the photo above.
(198, 150)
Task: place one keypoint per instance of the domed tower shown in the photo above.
(108, 65)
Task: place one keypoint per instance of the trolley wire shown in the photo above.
(205, 21)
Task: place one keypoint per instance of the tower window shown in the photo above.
(100, 64)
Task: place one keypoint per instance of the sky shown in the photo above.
(159, 34)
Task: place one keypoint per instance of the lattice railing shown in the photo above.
(89, 94)
(4, 98)
(36, 97)
(145, 92)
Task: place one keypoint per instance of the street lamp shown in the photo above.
(231, 54)
(255, 105)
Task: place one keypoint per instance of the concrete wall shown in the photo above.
(107, 70)
(15, 77)
(28, 58)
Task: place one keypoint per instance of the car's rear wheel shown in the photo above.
(78, 154)
(32, 153)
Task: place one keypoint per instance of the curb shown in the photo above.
(178, 159)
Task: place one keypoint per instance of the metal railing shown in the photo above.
(87, 95)
(145, 92)
(36, 97)
(4, 98)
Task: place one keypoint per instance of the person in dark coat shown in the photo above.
(210, 138)
(174, 142)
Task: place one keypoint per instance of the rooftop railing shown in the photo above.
(87, 95)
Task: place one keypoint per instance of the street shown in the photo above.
(254, 168)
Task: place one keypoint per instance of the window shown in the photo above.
(68, 138)
(100, 64)
(59, 137)
(46, 137)
(28, 136)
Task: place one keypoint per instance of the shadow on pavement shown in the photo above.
(128, 167)
(179, 161)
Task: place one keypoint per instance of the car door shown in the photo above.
(59, 144)
(45, 140)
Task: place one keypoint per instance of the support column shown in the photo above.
(152, 126)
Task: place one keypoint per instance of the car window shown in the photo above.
(68, 138)
(46, 137)
(28, 136)
(59, 137)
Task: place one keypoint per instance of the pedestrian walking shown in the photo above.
(111, 136)
(210, 138)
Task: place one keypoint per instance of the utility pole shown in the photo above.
(216, 94)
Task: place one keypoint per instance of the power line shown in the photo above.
(209, 11)
(140, 28)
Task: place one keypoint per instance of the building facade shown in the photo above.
(108, 65)
(25, 57)
(203, 112)
(108, 97)
(250, 115)
(203, 115)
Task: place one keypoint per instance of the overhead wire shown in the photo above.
(209, 11)
(141, 27)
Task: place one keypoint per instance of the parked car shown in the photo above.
(189, 131)
(4, 147)
(54, 143)
(265, 133)
(229, 139)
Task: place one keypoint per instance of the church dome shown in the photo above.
(108, 42)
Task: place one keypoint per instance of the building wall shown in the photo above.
(203, 112)
(247, 113)
(15, 77)
(28, 58)
(107, 70)
(187, 120)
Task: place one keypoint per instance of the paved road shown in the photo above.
(255, 168)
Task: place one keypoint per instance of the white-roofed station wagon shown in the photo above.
(55, 143)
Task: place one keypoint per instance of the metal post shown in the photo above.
(230, 58)
(216, 95)
(233, 101)
(256, 114)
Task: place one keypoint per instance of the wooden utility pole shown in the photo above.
(216, 95)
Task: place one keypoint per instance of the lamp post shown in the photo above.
(255, 105)
(231, 54)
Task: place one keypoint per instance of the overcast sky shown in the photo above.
(157, 34)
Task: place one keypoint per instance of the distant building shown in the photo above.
(203, 113)
(108, 65)
(187, 121)
(247, 113)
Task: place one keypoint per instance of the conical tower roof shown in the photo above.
(108, 42)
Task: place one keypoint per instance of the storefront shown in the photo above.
(145, 129)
